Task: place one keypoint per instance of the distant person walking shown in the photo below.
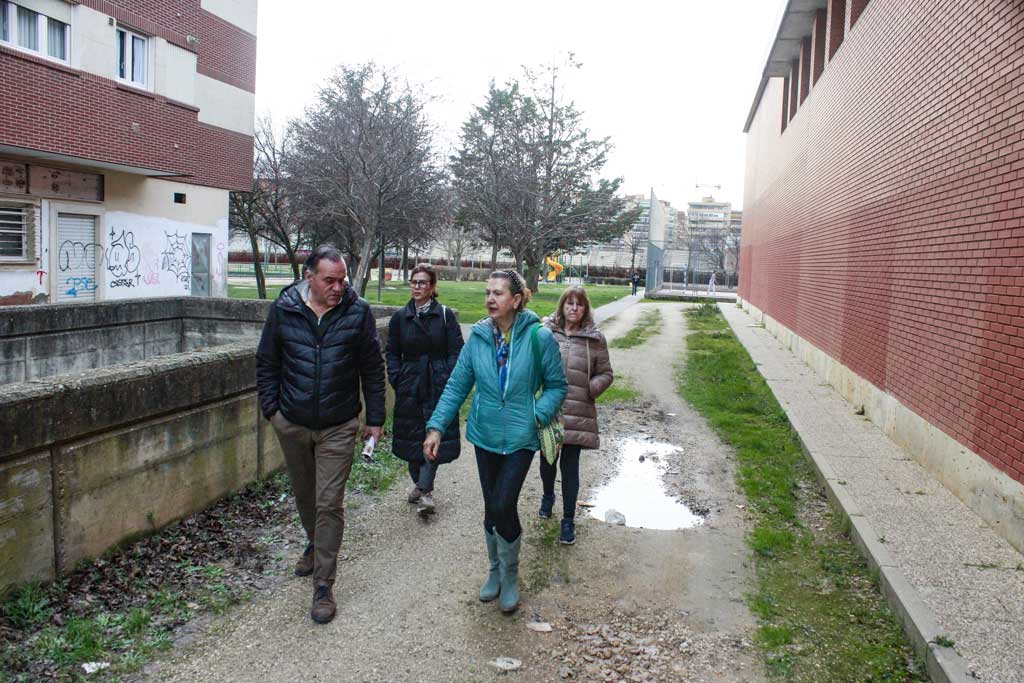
(635, 278)
(711, 283)
(424, 340)
(319, 346)
(499, 360)
(589, 372)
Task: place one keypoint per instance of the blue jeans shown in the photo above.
(501, 479)
(570, 465)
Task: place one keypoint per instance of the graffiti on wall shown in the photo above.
(221, 260)
(176, 258)
(77, 255)
(75, 285)
(122, 255)
(137, 256)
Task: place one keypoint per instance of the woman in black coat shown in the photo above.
(424, 340)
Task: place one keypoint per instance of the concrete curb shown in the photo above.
(944, 664)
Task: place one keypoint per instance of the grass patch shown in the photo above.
(621, 391)
(27, 606)
(377, 476)
(546, 561)
(467, 297)
(646, 327)
(821, 617)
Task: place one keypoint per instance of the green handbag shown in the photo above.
(551, 435)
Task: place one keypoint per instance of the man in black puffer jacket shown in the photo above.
(319, 345)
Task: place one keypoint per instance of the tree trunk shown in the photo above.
(363, 270)
(261, 281)
(494, 255)
(405, 262)
(293, 259)
(380, 273)
(532, 271)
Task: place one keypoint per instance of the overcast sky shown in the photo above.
(670, 82)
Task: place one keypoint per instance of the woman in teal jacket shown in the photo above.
(499, 359)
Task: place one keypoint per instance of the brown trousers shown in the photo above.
(319, 462)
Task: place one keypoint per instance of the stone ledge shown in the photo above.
(944, 665)
(38, 413)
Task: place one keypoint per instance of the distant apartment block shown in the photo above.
(125, 124)
(712, 235)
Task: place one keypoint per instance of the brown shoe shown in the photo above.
(304, 565)
(414, 495)
(323, 604)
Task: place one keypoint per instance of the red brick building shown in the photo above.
(125, 123)
(883, 226)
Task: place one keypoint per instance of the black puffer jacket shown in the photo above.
(421, 353)
(312, 373)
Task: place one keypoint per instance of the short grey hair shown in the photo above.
(324, 251)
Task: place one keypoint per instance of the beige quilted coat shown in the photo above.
(589, 372)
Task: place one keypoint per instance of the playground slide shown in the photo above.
(556, 268)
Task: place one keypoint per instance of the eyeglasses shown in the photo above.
(419, 284)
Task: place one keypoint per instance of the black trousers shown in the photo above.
(422, 473)
(569, 459)
(501, 480)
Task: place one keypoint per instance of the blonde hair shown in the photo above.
(516, 285)
(580, 294)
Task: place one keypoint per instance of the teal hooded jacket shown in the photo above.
(504, 423)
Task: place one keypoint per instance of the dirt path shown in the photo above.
(625, 604)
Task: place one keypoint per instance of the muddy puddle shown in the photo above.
(637, 490)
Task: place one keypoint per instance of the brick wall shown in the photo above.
(226, 52)
(51, 107)
(886, 224)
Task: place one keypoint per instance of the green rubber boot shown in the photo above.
(492, 586)
(508, 557)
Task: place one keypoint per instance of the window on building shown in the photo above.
(56, 39)
(28, 29)
(131, 57)
(15, 221)
(34, 32)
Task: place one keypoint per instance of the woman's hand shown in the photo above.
(431, 445)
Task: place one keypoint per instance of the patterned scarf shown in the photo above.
(501, 354)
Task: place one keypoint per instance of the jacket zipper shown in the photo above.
(316, 372)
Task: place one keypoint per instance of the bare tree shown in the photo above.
(244, 219)
(280, 210)
(526, 171)
(364, 159)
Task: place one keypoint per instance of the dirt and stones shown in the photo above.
(624, 604)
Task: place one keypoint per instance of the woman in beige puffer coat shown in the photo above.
(589, 372)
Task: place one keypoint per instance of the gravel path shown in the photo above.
(625, 604)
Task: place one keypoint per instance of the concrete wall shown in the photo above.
(90, 460)
(41, 341)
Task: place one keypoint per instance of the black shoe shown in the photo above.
(568, 535)
(547, 503)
